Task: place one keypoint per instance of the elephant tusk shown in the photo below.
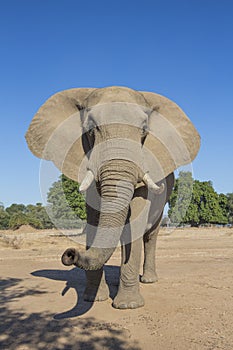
(151, 185)
(86, 183)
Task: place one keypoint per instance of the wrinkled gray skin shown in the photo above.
(118, 181)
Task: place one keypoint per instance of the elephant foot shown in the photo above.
(128, 300)
(94, 293)
(96, 286)
(149, 277)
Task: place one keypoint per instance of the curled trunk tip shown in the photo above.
(70, 256)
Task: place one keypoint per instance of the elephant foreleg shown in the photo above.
(128, 296)
(96, 287)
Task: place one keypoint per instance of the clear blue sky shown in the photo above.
(182, 49)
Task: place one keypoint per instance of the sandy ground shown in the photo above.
(191, 307)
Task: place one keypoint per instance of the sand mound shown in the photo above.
(26, 229)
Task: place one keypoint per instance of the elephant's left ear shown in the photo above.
(55, 132)
(172, 141)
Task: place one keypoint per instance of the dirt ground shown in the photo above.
(191, 307)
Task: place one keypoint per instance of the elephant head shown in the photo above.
(116, 137)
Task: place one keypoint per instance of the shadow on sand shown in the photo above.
(21, 330)
(76, 279)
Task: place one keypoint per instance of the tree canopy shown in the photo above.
(229, 207)
(194, 202)
(67, 205)
(17, 215)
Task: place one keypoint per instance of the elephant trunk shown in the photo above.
(117, 181)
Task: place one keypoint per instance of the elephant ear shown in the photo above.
(172, 141)
(55, 132)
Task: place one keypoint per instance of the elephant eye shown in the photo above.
(91, 127)
(79, 107)
(145, 130)
(91, 131)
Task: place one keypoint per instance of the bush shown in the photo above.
(4, 219)
(17, 220)
(20, 219)
(13, 242)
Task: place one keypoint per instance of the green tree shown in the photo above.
(4, 218)
(16, 208)
(222, 199)
(17, 215)
(180, 198)
(17, 220)
(66, 204)
(230, 207)
(205, 205)
(211, 205)
(38, 213)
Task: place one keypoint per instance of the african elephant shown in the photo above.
(122, 145)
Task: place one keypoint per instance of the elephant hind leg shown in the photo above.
(149, 266)
(150, 237)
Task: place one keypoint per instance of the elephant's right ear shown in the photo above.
(55, 132)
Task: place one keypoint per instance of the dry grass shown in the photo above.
(15, 242)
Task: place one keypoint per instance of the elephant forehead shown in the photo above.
(117, 112)
(115, 94)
